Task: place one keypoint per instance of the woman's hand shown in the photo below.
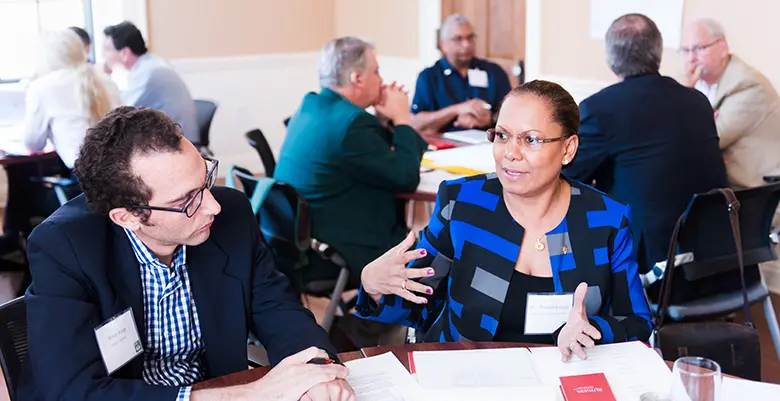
(388, 274)
(578, 332)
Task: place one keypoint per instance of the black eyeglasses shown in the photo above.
(193, 204)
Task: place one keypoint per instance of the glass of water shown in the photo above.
(696, 379)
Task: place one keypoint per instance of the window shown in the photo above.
(22, 20)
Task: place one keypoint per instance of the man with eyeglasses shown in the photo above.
(746, 105)
(152, 279)
(460, 91)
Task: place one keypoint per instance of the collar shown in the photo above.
(445, 65)
(145, 257)
(331, 93)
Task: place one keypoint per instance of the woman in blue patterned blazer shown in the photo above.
(500, 243)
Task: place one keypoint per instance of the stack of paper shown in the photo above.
(737, 389)
(494, 374)
(471, 136)
(632, 368)
(466, 160)
(382, 378)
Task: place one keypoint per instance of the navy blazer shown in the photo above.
(473, 244)
(651, 143)
(84, 272)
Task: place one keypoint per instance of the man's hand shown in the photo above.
(693, 74)
(473, 113)
(293, 377)
(338, 390)
(395, 104)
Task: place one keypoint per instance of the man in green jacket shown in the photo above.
(348, 164)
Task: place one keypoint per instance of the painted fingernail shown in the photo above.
(431, 272)
(429, 291)
(422, 252)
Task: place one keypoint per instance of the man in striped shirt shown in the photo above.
(153, 244)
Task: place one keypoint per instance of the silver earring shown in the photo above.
(565, 161)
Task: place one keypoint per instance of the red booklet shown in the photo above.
(593, 387)
(440, 144)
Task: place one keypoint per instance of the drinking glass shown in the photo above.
(696, 379)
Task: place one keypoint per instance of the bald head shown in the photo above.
(704, 47)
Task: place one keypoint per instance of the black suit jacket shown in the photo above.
(84, 272)
(651, 143)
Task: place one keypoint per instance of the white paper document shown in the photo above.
(382, 378)
(507, 367)
(472, 136)
(477, 157)
(492, 374)
(631, 369)
(737, 389)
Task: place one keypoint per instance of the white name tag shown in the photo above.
(118, 340)
(546, 312)
(478, 78)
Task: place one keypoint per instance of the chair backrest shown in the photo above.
(283, 216)
(204, 113)
(13, 341)
(706, 233)
(257, 140)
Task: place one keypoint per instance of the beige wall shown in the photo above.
(568, 50)
(393, 25)
(211, 28)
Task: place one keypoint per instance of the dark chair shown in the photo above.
(204, 113)
(283, 216)
(257, 140)
(13, 342)
(709, 286)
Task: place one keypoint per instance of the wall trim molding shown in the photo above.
(533, 39)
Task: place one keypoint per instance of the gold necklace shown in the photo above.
(539, 244)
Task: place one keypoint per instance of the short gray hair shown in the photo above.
(340, 58)
(451, 22)
(634, 46)
(714, 28)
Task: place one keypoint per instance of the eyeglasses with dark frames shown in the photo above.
(193, 203)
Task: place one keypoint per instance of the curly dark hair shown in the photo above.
(103, 166)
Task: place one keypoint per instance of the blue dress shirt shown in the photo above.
(441, 86)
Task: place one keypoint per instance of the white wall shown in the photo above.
(260, 92)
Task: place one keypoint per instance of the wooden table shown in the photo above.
(400, 351)
(10, 130)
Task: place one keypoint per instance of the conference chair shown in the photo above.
(204, 113)
(257, 140)
(283, 216)
(709, 286)
(13, 342)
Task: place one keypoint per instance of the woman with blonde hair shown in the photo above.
(65, 96)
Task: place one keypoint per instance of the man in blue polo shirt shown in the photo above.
(460, 91)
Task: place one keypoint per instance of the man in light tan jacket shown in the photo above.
(746, 105)
(746, 110)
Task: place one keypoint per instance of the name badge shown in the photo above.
(118, 340)
(546, 312)
(478, 78)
